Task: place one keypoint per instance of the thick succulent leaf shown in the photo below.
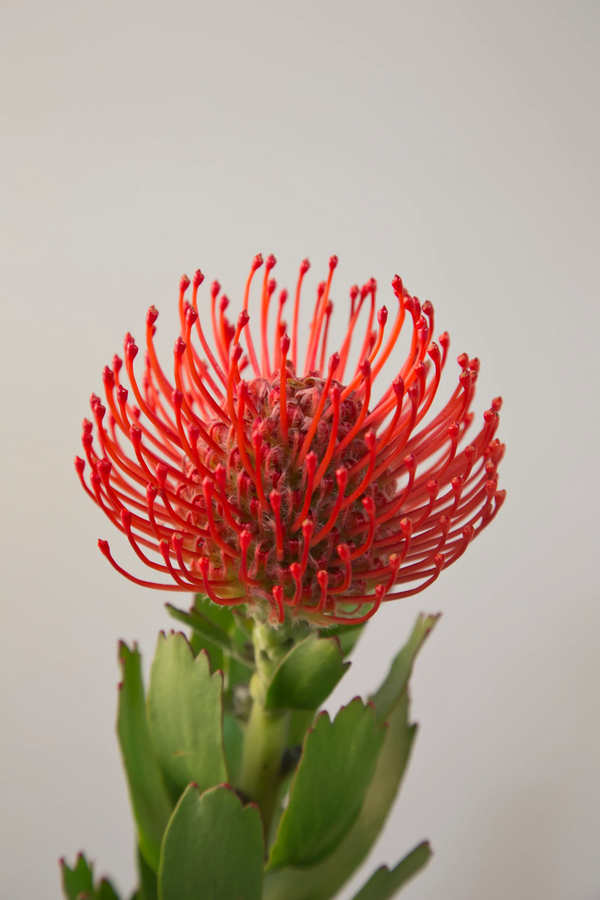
(239, 664)
(233, 743)
(322, 881)
(212, 637)
(300, 722)
(213, 849)
(148, 889)
(307, 675)
(79, 880)
(347, 635)
(384, 884)
(329, 787)
(149, 797)
(221, 616)
(400, 671)
(106, 891)
(78, 883)
(185, 714)
(211, 619)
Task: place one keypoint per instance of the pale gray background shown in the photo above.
(453, 142)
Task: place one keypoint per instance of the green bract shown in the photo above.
(240, 788)
(185, 714)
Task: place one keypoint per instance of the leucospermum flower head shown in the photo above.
(295, 489)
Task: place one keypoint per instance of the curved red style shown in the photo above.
(286, 487)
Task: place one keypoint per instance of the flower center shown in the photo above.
(280, 511)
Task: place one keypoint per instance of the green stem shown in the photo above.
(267, 730)
(264, 743)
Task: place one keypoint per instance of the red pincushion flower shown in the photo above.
(290, 489)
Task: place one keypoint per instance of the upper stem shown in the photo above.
(267, 730)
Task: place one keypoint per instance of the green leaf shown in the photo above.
(79, 880)
(148, 884)
(106, 891)
(300, 722)
(322, 881)
(383, 884)
(233, 742)
(212, 636)
(78, 883)
(395, 683)
(221, 616)
(149, 798)
(329, 787)
(185, 714)
(307, 675)
(347, 635)
(213, 849)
